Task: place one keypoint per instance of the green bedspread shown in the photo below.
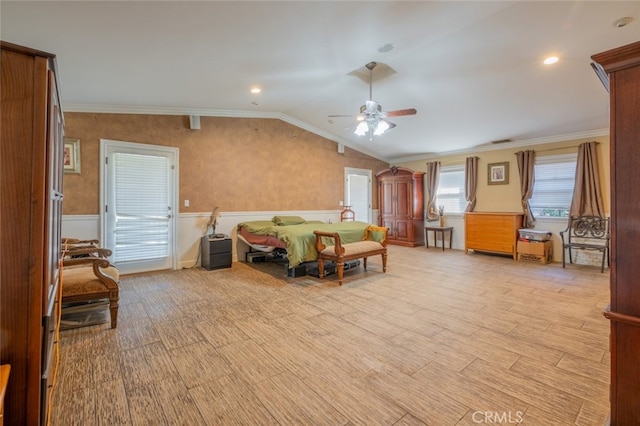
(300, 239)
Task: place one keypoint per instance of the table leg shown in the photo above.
(426, 237)
(450, 238)
(442, 234)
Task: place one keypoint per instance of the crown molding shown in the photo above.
(330, 136)
(508, 145)
(132, 109)
(135, 109)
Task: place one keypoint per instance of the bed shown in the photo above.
(295, 235)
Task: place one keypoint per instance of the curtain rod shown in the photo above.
(564, 147)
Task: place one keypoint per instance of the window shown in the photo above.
(553, 188)
(450, 192)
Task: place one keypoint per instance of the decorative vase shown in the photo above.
(443, 221)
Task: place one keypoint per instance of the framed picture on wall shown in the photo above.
(498, 173)
(71, 155)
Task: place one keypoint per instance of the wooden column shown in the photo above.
(622, 65)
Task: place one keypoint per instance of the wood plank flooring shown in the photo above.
(442, 338)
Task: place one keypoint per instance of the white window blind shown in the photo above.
(450, 192)
(142, 217)
(553, 186)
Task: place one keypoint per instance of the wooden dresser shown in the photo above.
(492, 232)
(622, 65)
(4, 380)
(31, 164)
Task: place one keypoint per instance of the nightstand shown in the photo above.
(216, 252)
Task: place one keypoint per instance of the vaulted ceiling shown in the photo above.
(472, 70)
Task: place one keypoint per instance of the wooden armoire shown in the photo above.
(401, 206)
(622, 67)
(31, 166)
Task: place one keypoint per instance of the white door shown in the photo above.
(358, 192)
(138, 205)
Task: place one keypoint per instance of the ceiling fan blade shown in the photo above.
(399, 112)
(391, 125)
(341, 115)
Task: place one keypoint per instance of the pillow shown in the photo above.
(375, 236)
(287, 220)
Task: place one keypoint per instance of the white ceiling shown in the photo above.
(473, 70)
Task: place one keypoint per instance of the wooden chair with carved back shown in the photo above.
(88, 276)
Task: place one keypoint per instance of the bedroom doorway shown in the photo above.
(138, 205)
(357, 192)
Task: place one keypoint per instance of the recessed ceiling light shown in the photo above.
(551, 60)
(256, 90)
(388, 47)
(622, 22)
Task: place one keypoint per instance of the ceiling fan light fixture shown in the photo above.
(381, 127)
(372, 119)
(371, 107)
(362, 129)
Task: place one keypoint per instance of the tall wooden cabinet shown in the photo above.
(623, 68)
(31, 165)
(401, 206)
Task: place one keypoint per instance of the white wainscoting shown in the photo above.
(455, 220)
(192, 226)
(82, 226)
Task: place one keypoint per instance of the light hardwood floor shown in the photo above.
(442, 338)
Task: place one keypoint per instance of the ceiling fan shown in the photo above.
(372, 119)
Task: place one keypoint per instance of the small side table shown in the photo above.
(216, 252)
(441, 230)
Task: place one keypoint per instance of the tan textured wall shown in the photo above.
(238, 164)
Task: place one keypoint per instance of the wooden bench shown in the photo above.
(340, 253)
(586, 233)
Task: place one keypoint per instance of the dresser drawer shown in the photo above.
(222, 246)
(4, 381)
(217, 261)
(215, 246)
(493, 246)
(486, 221)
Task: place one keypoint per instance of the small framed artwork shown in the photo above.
(71, 155)
(498, 173)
